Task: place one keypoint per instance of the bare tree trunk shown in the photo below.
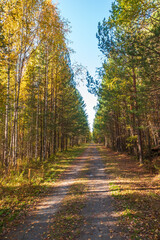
(133, 128)
(62, 142)
(106, 141)
(58, 142)
(140, 150)
(52, 114)
(45, 108)
(41, 134)
(55, 117)
(66, 142)
(149, 143)
(55, 140)
(20, 66)
(16, 115)
(14, 125)
(6, 162)
(37, 126)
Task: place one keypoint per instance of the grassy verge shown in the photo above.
(69, 220)
(24, 186)
(137, 195)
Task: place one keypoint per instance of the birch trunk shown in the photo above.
(6, 162)
(37, 127)
(45, 109)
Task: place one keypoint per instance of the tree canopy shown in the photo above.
(41, 111)
(128, 109)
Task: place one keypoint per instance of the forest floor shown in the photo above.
(136, 191)
(102, 195)
(22, 188)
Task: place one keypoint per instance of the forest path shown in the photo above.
(100, 217)
(36, 224)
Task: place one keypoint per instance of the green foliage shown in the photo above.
(136, 193)
(128, 109)
(41, 111)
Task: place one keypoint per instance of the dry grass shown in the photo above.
(137, 194)
(18, 192)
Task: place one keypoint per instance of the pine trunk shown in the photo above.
(140, 149)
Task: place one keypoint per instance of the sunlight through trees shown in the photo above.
(128, 112)
(41, 111)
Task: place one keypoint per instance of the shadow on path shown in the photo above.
(101, 220)
(100, 217)
(37, 222)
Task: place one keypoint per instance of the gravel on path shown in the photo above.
(101, 219)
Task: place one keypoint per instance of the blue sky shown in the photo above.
(84, 16)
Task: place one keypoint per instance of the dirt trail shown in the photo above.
(100, 217)
(101, 220)
(37, 222)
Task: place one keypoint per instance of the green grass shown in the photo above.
(18, 192)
